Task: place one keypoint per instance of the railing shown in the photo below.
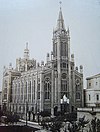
(31, 124)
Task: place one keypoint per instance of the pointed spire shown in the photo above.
(68, 30)
(60, 21)
(26, 45)
(26, 52)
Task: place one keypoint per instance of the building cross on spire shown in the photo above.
(60, 2)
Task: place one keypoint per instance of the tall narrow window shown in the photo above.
(22, 92)
(78, 95)
(63, 49)
(64, 85)
(38, 91)
(15, 92)
(5, 90)
(47, 88)
(97, 97)
(89, 84)
(18, 92)
(25, 97)
(63, 65)
(34, 89)
(89, 97)
(29, 91)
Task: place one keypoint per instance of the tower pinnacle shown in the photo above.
(26, 45)
(26, 52)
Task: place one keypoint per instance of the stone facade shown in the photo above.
(92, 93)
(42, 86)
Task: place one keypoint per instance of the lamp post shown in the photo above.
(64, 104)
(61, 102)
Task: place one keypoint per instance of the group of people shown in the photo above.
(82, 125)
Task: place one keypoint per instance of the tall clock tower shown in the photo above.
(61, 54)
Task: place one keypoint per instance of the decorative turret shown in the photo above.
(81, 69)
(42, 63)
(76, 68)
(72, 57)
(26, 52)
(10, 66)
(48, 57)
(51, 55)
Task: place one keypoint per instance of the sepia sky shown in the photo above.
(33, 21)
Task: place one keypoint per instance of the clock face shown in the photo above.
(63, 75)
(77, 81)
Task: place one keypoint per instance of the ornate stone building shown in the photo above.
(92, 99)
(43, 86)
(92, 92)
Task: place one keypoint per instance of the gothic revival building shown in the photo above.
(43, 86)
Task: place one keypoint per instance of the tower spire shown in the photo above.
(60, 21)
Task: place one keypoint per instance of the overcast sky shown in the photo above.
(33, 21)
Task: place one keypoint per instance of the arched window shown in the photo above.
(19, 88)
(38, 91)
(97, 97)
(47, 88)
(78, 96)
(25, 95)
(89, 97)
(22, 86)
(63, 49)
(63, 85)
(29, 91)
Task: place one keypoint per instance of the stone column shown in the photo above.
(56, 87)
(52, 92)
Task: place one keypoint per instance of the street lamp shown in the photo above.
(64, 104)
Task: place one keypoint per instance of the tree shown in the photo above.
(82, 123)
(93, 123)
